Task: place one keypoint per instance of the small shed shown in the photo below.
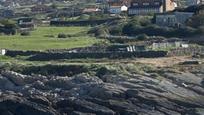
(2, 51)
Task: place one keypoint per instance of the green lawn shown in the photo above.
(38, 40)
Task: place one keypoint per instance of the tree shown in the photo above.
(196, 21)
(9, 27)
(54, 6)
(8, 23)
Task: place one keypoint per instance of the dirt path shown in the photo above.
(158, 62)
(164, 62)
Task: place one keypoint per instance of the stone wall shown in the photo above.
(14, 53)
(81, 23)
(185, 51)
(99, 55)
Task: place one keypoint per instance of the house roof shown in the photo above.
(119, 2)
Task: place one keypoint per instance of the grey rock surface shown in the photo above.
(83, 94)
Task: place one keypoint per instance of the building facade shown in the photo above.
(118, 6)
(175, 19)
(145, 7)
(194, 2)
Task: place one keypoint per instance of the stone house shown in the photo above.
(145, 7)
(173, 19)
(169, 44)
(118, 6)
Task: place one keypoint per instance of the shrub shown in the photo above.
(196, 21)
(83, 17)
(61, 35)
(25, 33)
(98, 31)
(201, 29)
(69, 35)
(154, 30)
(142, 37)
(141, 20)
(116, 30)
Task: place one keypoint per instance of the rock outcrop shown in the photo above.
(169, 93)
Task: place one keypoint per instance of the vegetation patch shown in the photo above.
(38, 39)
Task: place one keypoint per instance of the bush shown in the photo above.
(61, 35)
(8, 31)
(69, 35)
(196, 21)
(154, 30)
(141, 20)
(116, 30)
(98, 31)
(142, 37)
(25, 33)
(201, 29)
(83, 17)
(102, 43)
(98, 16)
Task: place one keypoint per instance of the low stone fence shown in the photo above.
(99, 55)
(81, 23)
(185, 51)
(14, 53)
(85, 53)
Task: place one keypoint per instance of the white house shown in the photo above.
(124, 8)
(117, 9)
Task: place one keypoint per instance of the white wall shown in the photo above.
(2, 52)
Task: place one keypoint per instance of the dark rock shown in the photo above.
(20, 106)
(85, 106)
(40, 100)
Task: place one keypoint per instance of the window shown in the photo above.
(145, 4)
(156, 3)
(135, 4)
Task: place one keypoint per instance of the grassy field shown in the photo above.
(40, 40)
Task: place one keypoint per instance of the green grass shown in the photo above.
(38, 40)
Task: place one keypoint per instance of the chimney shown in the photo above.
(168, 5)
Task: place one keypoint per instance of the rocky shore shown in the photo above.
(149, 93)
